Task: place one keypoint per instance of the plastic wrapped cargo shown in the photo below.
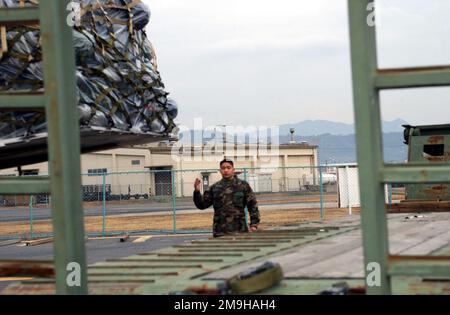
(119, 86)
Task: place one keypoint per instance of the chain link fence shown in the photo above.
(160, 200)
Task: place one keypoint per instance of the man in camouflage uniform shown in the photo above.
(229, 196)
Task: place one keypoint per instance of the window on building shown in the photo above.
(135, 162)
(97, 171)
(434, 149)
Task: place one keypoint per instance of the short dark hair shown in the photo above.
(227, 161)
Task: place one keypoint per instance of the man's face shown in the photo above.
(227, 170)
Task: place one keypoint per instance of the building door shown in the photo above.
(265, 183)
(205, 181)
(163, 183)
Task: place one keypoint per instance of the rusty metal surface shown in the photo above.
(419, 207)
(401, 78)
(429, 145)
(26, 268)
(394, 71)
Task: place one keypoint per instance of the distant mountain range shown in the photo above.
(337, 143)
(342, 149)
(320, 127)
(336, 140)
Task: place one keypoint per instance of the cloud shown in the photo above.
(263, 62)
(411, 33)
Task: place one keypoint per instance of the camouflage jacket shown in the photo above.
(229, 198)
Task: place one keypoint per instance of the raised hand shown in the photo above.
(197, 184)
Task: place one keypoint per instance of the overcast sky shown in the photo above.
(261, 62)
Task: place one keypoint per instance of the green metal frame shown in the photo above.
(368, 80)
(59, 99)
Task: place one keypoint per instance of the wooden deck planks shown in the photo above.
(342, 255)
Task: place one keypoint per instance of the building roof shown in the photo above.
(163, 147)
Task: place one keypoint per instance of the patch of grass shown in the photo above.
(185, 221)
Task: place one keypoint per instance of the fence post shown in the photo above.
(174, 202)
(347, 169)
(104, 205)
(246, 209)
(182, 185)
(321, 193)
(31, 216)
(390, 194)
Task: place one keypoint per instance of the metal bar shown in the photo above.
(300, 230)
(246, 208)
(389, 194)
(369, 141)
(201, 254)
(9, 242)
(142, 266)
(239, 246)
(39, 241)
(19, 15)
(347, 173)
(210, 170)
(104, 205)
(170, 260)
(3, 41)
(31, 216)
(64, 145)
(265, 238)
(321, 193)
(26, 268)
(121, 279)
(215, 250)
(122, 272)
(174, 202)
(24, 185)
(246, 242)
(410, 174)
(419, 266)
(412, 77)
(22, 101)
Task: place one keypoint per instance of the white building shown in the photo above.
(148, 170)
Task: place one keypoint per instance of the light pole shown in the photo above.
(224, 138)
